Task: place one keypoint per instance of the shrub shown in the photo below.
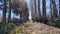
(15, 30)
(19, 29)
(56, 22)
(5, 27)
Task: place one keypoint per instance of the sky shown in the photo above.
(28, 2)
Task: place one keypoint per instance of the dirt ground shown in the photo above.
(39, 28)
(35, 28)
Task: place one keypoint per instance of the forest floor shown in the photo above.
(38, 28)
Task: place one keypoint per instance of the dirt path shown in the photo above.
(38, 28)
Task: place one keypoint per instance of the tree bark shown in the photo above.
(44, 7)
(51, 9)
(59, 8)
(32, 8)
(4, 11)
(55, 11)
(35, 6)
(9, 16)
(39, 12)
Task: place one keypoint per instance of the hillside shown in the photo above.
(35, 28)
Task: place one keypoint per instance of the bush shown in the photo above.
(19, 29)
(15, 30)
(56, 22)
(5, 27)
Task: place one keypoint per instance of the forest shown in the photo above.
(15, 13)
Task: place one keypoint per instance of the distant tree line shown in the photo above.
(18, 7)
(37, 16)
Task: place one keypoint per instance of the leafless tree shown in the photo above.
(51, 9)
(9, 16)
(32, 8)
(59, 8)
(39, 11)
(44, 7)
(4, 11)
(20, 7)
(55, 11)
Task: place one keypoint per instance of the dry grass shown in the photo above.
(38, 28)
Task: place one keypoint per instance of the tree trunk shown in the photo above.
(55, 11)
(59, 8)
(9, 16)
(39, 12)
(35, 11)
(51, 9)
(32, 8)
(4, 11)
(44, 7)
(35, 5)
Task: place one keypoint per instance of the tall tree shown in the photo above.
(4, 11)
(25, 12)
(39, 8)
(59, 8)
(20, 7)
(9, 16)
(35, 10)
(32, 8)
(35, 5)
(1, 5)
(55, 11)
(51, 9)
(44, 7)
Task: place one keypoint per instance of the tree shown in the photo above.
(59, 8)
(20, 7)
(35, 6)
(32, 8)
(44, 7)
(25, 13)
(34, 12)
(55, 11)
(1, 5)
(4, 11)
(39, 12)
(51, 9)
(9, 16)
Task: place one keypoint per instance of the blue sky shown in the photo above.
(28, 2)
